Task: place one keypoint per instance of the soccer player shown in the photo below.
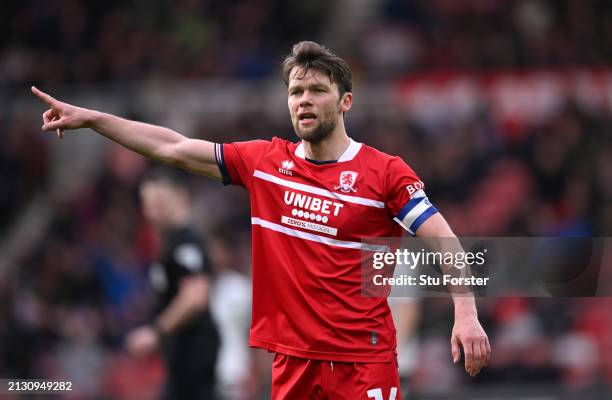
(312, 202)
(182, 326)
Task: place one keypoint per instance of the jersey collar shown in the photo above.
(350, 152)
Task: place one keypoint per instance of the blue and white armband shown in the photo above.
(415, 212)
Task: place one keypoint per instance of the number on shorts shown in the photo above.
(377, 394)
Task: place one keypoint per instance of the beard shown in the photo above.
(326, 124)
(315, 135)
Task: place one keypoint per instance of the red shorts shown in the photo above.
(301, 379)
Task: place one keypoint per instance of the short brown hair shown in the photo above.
(309, 55)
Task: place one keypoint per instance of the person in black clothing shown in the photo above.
(182, 327)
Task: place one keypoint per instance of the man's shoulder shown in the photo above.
(184, 235)
(372, 154)
(281, 142)
(387, 166)
(279, 147)
(264, 144)
(185, 249)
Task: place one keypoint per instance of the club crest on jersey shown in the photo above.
(347, 181)
(286, 167)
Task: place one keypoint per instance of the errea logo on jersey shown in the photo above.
(347, 181)
(286, 167)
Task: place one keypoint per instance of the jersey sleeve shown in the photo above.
(238, 160)
(188, 258)
(406, 196)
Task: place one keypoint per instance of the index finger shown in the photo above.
(43, 96)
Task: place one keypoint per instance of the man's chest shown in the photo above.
(340, 201)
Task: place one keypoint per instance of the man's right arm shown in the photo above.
(155, 142)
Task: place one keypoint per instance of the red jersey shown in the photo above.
(308, 220)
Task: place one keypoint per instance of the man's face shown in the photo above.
(159, 199)
(314, 104)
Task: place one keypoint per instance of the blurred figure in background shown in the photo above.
(182, 326)
(406, 316)
(230, 304)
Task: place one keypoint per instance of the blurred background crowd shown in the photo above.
(504, 109)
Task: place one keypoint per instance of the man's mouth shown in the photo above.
(306, 118)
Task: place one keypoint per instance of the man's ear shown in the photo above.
(346, 102)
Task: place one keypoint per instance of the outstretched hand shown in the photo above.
(61, 116)
(469, 335)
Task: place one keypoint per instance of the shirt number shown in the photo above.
(377, 394)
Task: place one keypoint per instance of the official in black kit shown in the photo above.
(182, 326)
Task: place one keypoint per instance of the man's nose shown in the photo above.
(306, 98)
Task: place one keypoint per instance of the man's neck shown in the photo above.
(330, 148)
